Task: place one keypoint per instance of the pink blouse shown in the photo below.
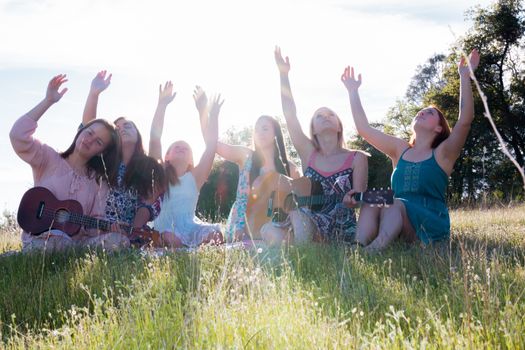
(53, 172)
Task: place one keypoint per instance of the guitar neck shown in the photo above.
(323, 199)
(89, 222)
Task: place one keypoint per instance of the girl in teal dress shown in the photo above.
(422, 167)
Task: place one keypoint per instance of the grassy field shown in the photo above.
(468, 293)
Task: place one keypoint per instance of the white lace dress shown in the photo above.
(177, 213)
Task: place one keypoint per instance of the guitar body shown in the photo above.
(40, 211)
(273, 188)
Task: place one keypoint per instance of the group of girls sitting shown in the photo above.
(108, 172)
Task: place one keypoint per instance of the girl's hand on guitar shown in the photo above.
(349, 201)
(119, 227)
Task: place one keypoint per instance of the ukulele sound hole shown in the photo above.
(62, 216)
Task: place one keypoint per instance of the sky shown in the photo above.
(224, 46)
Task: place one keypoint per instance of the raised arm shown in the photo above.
(166, 96)
(201, 103)
(25, 145)
(301, 142)
(235, 154)
(211, 135)
(390, 145)
(99, 83)
(449, 150)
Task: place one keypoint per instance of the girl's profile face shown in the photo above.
(93, 140)
(127, 131)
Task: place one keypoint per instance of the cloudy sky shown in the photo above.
(225, 46)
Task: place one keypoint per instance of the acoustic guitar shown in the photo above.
(40, 211)
(274, 195)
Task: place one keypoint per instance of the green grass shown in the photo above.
(466, 294)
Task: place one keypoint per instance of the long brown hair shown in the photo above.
(142, 171)
(104, 165)
(147, 176)
(441, 136)
(280, 159)
(313, 138)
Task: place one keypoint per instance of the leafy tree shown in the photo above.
(482, 171)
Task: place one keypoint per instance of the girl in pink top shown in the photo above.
(80, 173)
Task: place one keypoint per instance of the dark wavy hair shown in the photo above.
(143, 173)
(147, 176)
(105, 165)
(280, 158)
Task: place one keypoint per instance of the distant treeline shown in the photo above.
(482, 173)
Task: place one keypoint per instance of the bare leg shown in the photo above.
(273, 235)
(393, 223)
(170, 240)
(367, 224)
(304, 229)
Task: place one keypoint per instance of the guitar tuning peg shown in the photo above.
(381, 188)
(374, 189)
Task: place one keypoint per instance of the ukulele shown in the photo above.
(274, 195)
(40, 211)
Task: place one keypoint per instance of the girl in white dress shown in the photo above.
(177, 221)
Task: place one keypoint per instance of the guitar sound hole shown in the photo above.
(62, 216)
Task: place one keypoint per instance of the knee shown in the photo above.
(271, 234)
(171, 240)
(303, 227)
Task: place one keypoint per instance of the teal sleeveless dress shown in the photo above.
(422, 186)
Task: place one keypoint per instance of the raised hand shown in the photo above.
(52, 93)
(166, 94)
(348, 79)
(282, 64)
(216, 105)
(200, 98)
(463, 68)
(100, 82)
(210, 132)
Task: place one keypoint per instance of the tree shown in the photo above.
(498, 32)
(379, 165)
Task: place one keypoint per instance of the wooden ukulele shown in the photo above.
(274, 195)
(40, 211)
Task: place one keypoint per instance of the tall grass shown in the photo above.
(468, 293)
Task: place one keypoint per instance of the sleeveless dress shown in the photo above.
(177, 213)
(334, 221)
(237, 216)
(421, 186)
(122, 202)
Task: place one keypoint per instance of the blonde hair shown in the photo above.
(313, 138)
(168, 166)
